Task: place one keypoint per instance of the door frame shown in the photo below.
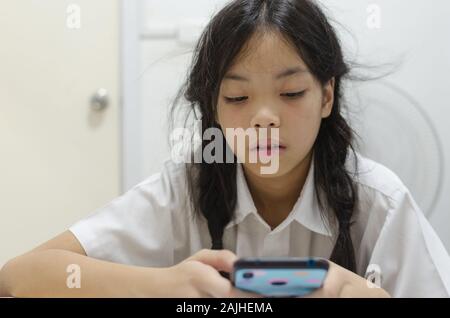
(131, 137)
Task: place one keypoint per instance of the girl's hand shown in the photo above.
(198, 276)
(342, 283)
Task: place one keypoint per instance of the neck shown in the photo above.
(275, 197)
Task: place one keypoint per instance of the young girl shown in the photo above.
(259, 64)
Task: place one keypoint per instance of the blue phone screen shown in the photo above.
(280, 282)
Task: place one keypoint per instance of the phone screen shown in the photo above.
(285, 277)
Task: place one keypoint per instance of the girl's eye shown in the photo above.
(236, 99)
(293, 95)
(240, 99)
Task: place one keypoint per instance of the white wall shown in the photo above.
(413, 32)
(167, 31)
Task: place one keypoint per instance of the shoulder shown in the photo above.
(172, 172)
(393, 234)
(381, 195)
(143, 226)
(160, 194)
(169, 185)
(376, 179)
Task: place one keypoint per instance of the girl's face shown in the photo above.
(271, 87)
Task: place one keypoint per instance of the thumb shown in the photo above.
(221, 260)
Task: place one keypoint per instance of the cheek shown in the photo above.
(302, 126)
(230, 117)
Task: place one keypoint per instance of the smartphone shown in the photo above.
(279, 277)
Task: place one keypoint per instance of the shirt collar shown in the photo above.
(306, 210)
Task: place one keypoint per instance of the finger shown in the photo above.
(221, 260)
(333, 282)
(223, 288)
(213, 284)
(237, 293)
(216, 286)
(318, 293)
(332, 285)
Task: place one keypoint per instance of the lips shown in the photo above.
(269, 145)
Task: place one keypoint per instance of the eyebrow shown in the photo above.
(286, 73)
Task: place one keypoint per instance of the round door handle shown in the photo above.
(100, 100)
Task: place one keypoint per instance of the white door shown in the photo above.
(59, 157)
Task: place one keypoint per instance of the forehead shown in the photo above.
(267, 52)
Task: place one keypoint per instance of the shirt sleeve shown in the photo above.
(408, 256)
(135, 228)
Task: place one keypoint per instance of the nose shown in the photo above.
(265, 118)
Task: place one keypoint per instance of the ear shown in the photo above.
(328, 98)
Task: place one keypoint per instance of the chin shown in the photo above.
(257, 169)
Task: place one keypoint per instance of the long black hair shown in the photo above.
(212, 186)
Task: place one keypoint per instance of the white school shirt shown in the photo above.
(395, 246)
